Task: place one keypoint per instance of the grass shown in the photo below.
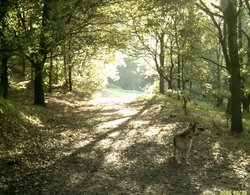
(118, 92)
(207, 114)
(11, 110)
(17, 121)
(213, 120)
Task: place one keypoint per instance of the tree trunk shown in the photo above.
(50, 72)
(4, 76)
(218, 77)
(70, 78)
(4, 54)
(38, 85)
(178, 72)
(170, 85)
(183, 80)
(235, 87)
(65, 64)
(32, 74)
(162, 62)
(38, 59)
(56, 74)
(161, 85)
(170, 82)
(246, 101)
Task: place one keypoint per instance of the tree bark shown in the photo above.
(162, 61)
(65, 64)
(70, 78)
(235, 87)
(5, 53)
(40, 57)
(161, 85)
(4, 76)
(50, 72)
(178, 71)
(38, 85)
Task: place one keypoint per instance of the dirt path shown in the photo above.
(115, 147)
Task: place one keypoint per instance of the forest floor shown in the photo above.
(115, 146)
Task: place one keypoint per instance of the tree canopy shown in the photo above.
(197, 46)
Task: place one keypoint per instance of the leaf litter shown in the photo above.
(105, 147)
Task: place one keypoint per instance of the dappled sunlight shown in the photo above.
(82, 143)
(115, 100)
(140, 123)
(173, 126)
(127, 111)
(113, 159)
(121, 144)
(111, 124)
(241, 164)
(63, 102)
(114, 134)
(114, 147)
(32, 119)
(115, 97)
(216, 153)
(104, 143)
(154, 109)
(134, 133)
(152, 131)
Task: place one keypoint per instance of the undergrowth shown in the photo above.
(213, 120)
(18, 121)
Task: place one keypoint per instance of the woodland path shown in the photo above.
(111, 146)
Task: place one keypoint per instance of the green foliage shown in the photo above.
(132, 75)
(89, 79)
(97, 28)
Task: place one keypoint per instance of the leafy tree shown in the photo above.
(132, 75)
(228, 40)
(43, 26)
(167, 33)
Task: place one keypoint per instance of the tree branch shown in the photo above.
(204, 7)
(212, 61)
(248, 6)
(246, 35)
